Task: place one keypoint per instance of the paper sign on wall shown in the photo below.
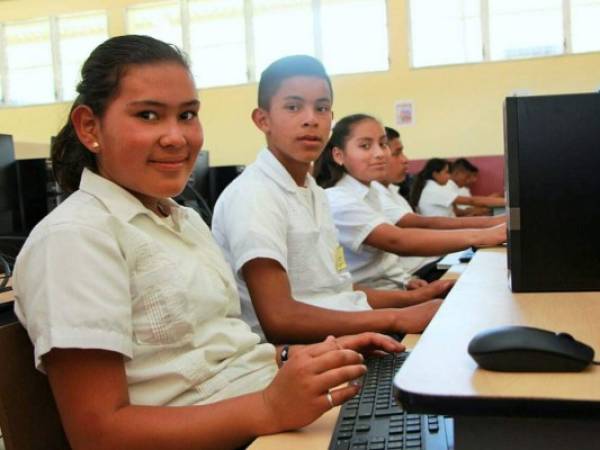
(405, 113)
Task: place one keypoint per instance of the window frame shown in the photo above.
(567, 47)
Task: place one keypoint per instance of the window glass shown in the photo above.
(281, 27)
(525, 28)
(78, 36)
(354, 35)
(218, 42)
(29, 62)
(447, 32)
(159, 20)
(585, 25)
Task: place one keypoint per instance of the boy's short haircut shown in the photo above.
(391, 133)
(463, 164)
(288, 67)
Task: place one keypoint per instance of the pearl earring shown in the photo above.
(95, 144)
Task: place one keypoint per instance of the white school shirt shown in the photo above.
(395, 207)
(264, 214)
(436, 200)
(357, 211)
(460, 191)
(103, 272)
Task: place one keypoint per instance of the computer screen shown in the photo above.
(199, 176)
(10, 215)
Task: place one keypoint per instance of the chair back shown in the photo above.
(29, 419)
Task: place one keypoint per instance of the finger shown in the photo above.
(333, 359)
(329, 344)
(338, 376)
(342, 394)
(364, 341)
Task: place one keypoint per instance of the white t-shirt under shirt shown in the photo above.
(357, 211)
(395, 207)
(103, 272)
(264, 214)
(436, 200)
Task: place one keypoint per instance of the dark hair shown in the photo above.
(463, 164)
(100, 77)
(326, 171)
(391, 133)
(288, 67)
(418, 184)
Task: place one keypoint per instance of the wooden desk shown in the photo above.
(7, 296)
(543, 410)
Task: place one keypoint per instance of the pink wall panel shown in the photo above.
(491, 173)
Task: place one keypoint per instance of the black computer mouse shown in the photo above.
(526, 349)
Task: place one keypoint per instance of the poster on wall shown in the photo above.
(404, 113)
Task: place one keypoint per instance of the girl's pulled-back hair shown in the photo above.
(433, 165)
(100, 77)
(326, 171)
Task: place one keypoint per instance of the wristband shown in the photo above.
(285, 353)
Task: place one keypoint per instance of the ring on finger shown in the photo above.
(329, 399)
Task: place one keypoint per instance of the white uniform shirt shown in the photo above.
(460, 192)
(264, 214)
(395, 207)
(103, 272)
(357, 211)
(436, 200)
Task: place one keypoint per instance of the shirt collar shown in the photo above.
(352, 184)
(120, 202)
(271, 166)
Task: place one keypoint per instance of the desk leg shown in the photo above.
(498, 433)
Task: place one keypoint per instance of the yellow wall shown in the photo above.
(458, 109)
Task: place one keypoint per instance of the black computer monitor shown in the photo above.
(552, 150)
(10, 215)
(199, 176)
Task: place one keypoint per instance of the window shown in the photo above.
(160, 20)
(359, 41)
(29, 63)
(463, 31)
(218, 42)
(281, 27)
(525, 28)
(585, 17)
(447, 32)
(233, 41)
(77, 37)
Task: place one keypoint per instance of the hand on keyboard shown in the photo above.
(298, 394)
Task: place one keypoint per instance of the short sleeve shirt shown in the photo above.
(103, 272)
(357, 211)
(264, 214)
(436, 200)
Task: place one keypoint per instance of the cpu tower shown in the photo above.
(552, 150)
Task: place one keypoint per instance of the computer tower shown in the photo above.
(219, 178)
(552, 154)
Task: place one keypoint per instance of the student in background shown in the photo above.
(430, 195)
(356, 155)
(275, 228)
(398, 211)
(462, 175)
(130, 306)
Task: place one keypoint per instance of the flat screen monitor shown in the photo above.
(10, 216)
(552, 150)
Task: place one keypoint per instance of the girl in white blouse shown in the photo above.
(355, 156)
(131, 308)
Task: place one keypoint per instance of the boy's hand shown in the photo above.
(436, 289)
(414, 319)
(416, 283)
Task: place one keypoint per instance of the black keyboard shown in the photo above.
(374, 421)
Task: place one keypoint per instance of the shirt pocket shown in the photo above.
(161, 307)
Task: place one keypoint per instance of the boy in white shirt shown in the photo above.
(274, 226)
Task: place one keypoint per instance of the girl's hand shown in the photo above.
(436, 289)
(302, 389)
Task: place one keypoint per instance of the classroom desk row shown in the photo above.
(491, 410)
